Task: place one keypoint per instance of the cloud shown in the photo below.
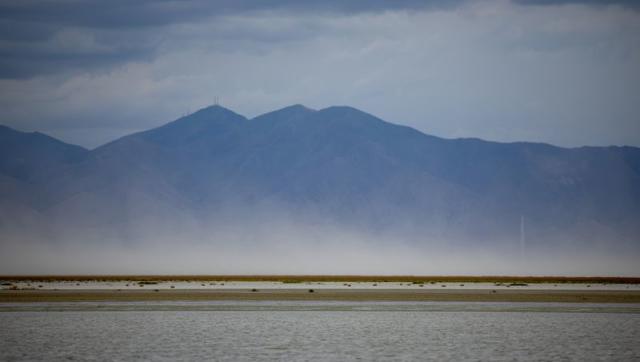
(35, 36)
(567, 75)
(122, 13)
(626, 3)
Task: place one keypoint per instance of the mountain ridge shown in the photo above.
(335, 166)
(301, 106)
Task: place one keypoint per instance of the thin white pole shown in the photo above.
(522, 237)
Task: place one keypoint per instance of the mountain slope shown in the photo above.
(342, 167)
(27, 161)
(25, 156)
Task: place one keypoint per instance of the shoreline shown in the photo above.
(364, 295)
(329, 278)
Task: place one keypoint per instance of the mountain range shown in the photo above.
(337, 168)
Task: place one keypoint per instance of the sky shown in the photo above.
(561, 72)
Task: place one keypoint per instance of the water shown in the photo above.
(239, 331)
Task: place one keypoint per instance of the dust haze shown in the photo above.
(282, 247)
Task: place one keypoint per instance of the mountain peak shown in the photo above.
(207, 115)
(290, 112)
(215, 110)
(211, 119)
(347, 110)
(346, 115)
(298, 108)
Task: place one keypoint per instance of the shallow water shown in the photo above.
(237, 331)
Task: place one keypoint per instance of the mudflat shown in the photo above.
(453, 295)
(328, 278)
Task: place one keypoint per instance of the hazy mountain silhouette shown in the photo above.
(27, 156)
(336, 166)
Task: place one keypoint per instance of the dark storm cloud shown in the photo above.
(43, 37)
(40, 37)
(626, 3)
(43, 50)
(121, 13)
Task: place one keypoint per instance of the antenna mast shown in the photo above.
(522, 237)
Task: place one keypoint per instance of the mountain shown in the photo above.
(26, 162)
(337, 168)
(28, 156)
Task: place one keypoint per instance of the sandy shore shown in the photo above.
(460, 295)
(327, 278)
(24, 289)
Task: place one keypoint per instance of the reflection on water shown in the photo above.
(318, 331)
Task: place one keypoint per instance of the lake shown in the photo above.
(322, 331)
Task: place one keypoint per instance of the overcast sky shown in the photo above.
(562, 72)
